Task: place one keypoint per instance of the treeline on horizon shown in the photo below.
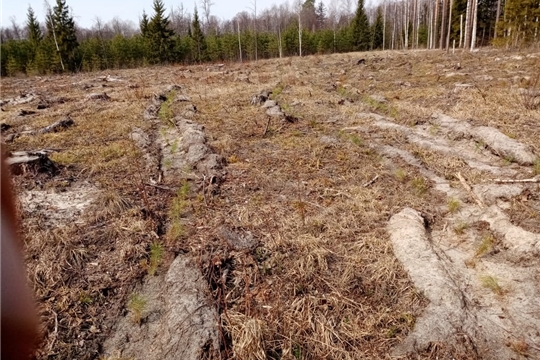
(303, 28)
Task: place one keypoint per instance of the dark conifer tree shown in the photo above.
(34, 32)
(320, 14)
(198, 38)
(377, 31)
(360, 32)
(160, 34)
(143, 25)
(61, 27)
(520, 23)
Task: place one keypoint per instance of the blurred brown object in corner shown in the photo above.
(19, 322)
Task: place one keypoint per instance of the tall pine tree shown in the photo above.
(377, 31)
(61, 28)
(34, 32)
(360, 32)
(320, 13)
(198, 38)
(143, 25)
(160, 34)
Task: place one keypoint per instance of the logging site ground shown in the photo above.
(381, 205)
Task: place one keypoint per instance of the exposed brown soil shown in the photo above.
(285, 213)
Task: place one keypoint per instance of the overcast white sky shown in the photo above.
(86, 11)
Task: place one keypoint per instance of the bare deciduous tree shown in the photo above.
(298, 10)
(347, 9)
(180, 20)
(206, 7)
(253, 9)
(16, 29)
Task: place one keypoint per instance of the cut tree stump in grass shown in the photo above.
(21, 162)
(261, 98)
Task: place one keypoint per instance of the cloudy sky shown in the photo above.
(86, 11)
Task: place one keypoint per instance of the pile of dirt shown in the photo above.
(179, 319)
(461, 310)
(500, 144)
(471, 305)
(184, 149)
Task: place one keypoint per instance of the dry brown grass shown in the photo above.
(323, 282)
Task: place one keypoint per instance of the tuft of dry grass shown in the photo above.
(453, 205)
(247, 336)
(111, 203)
(486, 245)
(492, 283)
(461, 227)
(419, 185)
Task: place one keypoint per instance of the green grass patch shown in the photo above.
(277, 91)
(356, 140)
(401, 175)
(137, 305)
(156, 254)
(536, 166)
(165, 113)
(453, 205)
(380, 107)
(419, 185)
(174, 147)
(347, 94)
(176, 211)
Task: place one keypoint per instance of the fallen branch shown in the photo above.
(267, 125)
(314, 205)
(204, 190)
(58, 126)
(535, 179)
(160, 187)
(337, 193)
(469, 190)
(26, 112)
(369, 183)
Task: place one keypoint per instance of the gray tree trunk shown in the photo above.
(474, 24)
(449, 27)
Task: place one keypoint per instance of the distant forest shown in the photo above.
(57, 44)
